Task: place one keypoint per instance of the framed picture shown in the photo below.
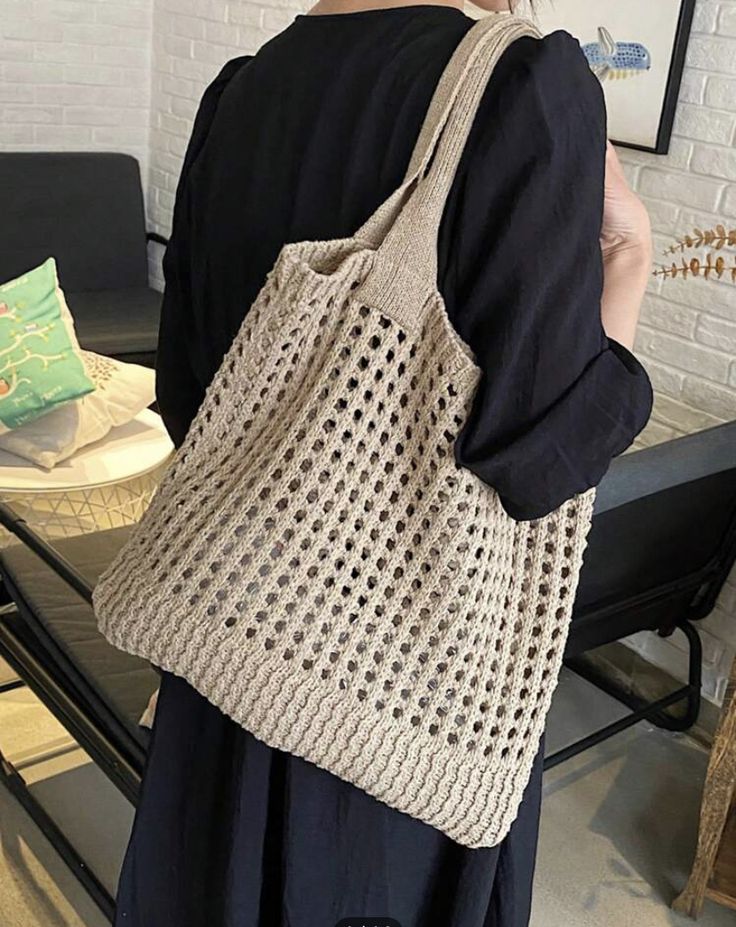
(637, 50)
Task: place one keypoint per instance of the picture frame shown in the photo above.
(638, 51)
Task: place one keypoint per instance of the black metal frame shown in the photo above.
(158, 239)
(87, 734)
(705, 585)
(674, 79)
(641, 710)
(18, 787)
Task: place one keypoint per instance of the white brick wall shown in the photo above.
(99, 73)
(75, 75)
(687, 334)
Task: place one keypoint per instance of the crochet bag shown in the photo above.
(317, 564)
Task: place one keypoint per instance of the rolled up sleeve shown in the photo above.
(570, 447)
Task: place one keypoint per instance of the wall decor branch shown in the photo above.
(694, 267)
(714, 238)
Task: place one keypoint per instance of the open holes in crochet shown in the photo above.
(330, 552)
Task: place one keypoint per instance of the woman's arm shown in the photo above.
(626, 245)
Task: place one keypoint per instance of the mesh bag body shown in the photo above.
(316, 563)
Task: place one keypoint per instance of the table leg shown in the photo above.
(717, 796)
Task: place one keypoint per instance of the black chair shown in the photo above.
(49, 637)
(86, 210)
(662, 543)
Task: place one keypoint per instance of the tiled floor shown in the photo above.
(618, 826)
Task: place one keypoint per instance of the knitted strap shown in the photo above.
(405, 226)
(483, 44)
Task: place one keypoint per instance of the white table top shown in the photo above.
(125, 452)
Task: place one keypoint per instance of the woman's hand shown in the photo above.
(626, 245)
(626, 223)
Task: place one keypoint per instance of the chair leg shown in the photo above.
(690, 692)
(10, 686)
(695, 684)
(18, 788)
(641, 710)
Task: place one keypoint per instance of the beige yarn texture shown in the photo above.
(316, 563)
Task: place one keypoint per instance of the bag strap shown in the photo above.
(481, 48)
(405, 227)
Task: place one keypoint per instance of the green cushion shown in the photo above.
(40, 364)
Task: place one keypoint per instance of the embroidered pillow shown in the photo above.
(40, 363)
(122, 391)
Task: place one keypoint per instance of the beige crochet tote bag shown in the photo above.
(316, 563)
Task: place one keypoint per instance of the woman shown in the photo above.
(543, 259)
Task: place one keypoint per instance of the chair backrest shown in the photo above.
(663, 538)
(83, 208)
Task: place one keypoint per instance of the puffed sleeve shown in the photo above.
(179, 393)
(521, 271)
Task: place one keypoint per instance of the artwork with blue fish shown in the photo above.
(611, 60)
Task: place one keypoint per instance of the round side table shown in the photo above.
(104, 485)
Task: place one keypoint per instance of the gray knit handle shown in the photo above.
(479, 50)
(406, 225)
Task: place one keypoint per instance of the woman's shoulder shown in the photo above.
(228, 71)
(552, 73)
(542, 94)
(554, 47)
(215, 89)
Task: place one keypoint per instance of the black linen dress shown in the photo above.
(303, 141)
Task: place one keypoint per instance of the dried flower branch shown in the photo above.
(696, 268)
(713, 238)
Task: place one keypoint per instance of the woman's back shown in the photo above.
(304, 140)
(309, 136)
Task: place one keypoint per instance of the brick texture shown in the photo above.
(75, 75)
